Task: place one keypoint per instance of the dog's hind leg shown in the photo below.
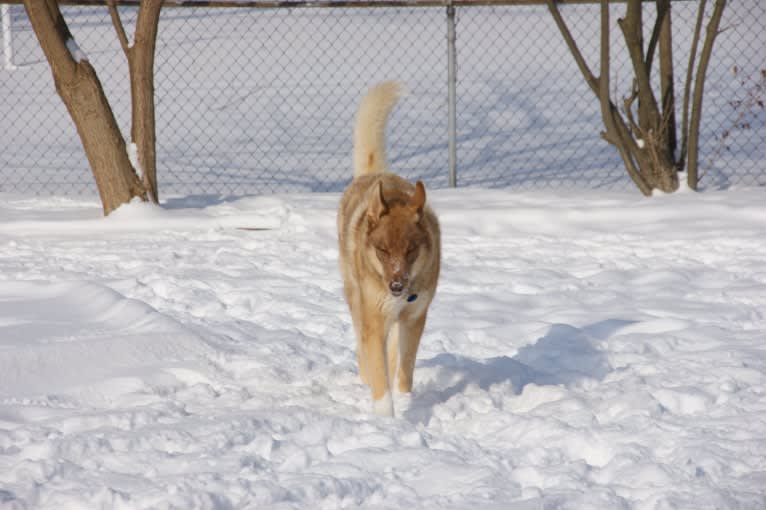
(410, 331)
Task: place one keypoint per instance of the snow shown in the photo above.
(135, 161)
(74, 49)
(584, 350)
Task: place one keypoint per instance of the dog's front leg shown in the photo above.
(410, 331)
(373, 345)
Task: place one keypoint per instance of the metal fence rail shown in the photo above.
(261, 100)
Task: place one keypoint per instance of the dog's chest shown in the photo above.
(394, 306)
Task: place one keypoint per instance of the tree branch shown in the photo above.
(603, 81)
(699, 87)
(631, 26)
(667, 80)
(616, 131)
(590, 79)
(688, 84)
(119, 28)
(628, 106)
(141, 64)
(663, 8)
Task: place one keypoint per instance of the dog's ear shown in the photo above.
(418, 200)
(378, 206)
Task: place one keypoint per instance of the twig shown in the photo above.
(118, 27)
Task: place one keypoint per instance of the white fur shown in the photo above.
(370, 125)
(384, 406)
(392, 306)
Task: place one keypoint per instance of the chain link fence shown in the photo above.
(262, 100)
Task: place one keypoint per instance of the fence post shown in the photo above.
(451, 95)
(5, 14)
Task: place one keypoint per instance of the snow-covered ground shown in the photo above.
(587, 351)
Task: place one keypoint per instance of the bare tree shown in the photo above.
(644, 131)
(81, 91)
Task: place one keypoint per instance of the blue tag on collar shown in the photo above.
(411, 298)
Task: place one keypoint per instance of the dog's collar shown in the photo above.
(411, 298)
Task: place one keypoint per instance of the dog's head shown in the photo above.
(396, 235)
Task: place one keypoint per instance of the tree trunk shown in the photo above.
(80, 89)
(667, 85)
(654, 156)
(104, 145)
(699, 87)
(141, 66)
(142, 93)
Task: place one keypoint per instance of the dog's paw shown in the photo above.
(383, 406)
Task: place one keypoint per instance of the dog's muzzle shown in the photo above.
(396, 287)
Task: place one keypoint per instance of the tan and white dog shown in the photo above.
(389, 244)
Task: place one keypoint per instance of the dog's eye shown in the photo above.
(381, 252)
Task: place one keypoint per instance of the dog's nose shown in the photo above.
(396, 287)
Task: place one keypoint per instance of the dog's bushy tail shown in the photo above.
(370, 127)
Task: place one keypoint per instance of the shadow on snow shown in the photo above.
(564, 356)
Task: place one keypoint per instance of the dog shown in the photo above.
(389, 253)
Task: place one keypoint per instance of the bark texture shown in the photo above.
(80, 89)
(140, 57)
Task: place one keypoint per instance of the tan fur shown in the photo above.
(389, 250)
(370, 126)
